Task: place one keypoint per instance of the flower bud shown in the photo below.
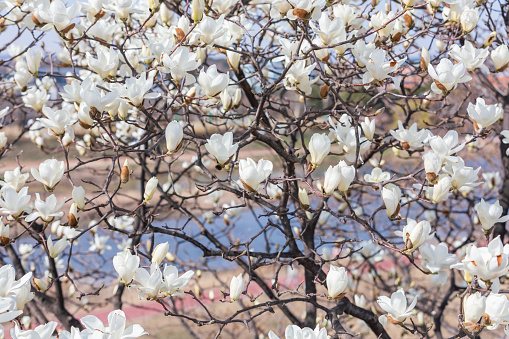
(160, 252)
(226, 100)
(303, 199)
(489, 40)
(233, 59)
(197, 7)
(40, 285)
(125, 173)
(425, 59)
(237, 98)
(236, 287)
(150, 189)
(72, 217)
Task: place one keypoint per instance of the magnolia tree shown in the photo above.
(332, 168)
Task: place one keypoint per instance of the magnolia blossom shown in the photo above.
(116, 327)
(49, 174)
(472, 57)
(126, 265)
(252, 174)
(98, 244)
(490, 214)
(331, 180)
(500, 57)
(447, 76)
(347, 174)
(179, 63)
(58, 122)
(160, 252)
(14, 203)
(432, 165)
(415, 234)
(297, 77)
(212, 82)
(377, 175)
(156, 284)
(305, 9)
(222, 147)
(396, 307)
(468, 19)
(78, 196)
(14, 179)
(150, 189)
(59, 16)
(337, 281)
(319, 147)
(447, 145)
(236, 287)
(484, 115)
(474, 307)
(497, 309)
(174, 137)
(437, 260)
(47, 210)
(137, 88)
(442, 189)
(410, 137)
(44, 331)
(368, 127)
(295, 332)
(378, 68)
(210, 30)
(55, 249)
(391, 196)
(487, 263)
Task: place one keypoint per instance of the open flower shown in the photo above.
(54, 249)
(396, 307)
(377, 176)
(222, 147)
(410, 137)
(126, 265)
(179, 63)
(447, 76)
(49, 174)
(487, 263)
(378, 69)
(14, 203)
(500, 57)
(474, 307)
(58, 122)
(437, 260)
(252, 174)
(490, 214)
(484, 115)
(471, 56)
(212, 82)
(46, 210)
(116, 327)
(497, 310)
(14, 179)
(295, 332)
(297, 77)
(59, 16)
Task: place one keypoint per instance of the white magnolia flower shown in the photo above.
(415, 234)
(295, 332)
(14, 203)
(58, 122)
(210, 30)
(490, 214)
(447, 76)
(500, 57)
(497, 309)
(319, 148)
(384, 22)
(442, 189)
(99, 244)
(160, 252)
(377, 175)
(174, 137)
(49, 174)
(179, 63)
(368, 127)
(55, 249)
(78, 196)
(432, 165)
(437, 260)
(396, 307)
(391, 196)
(487, 263)
(471, 56)
(236, 287)
(126, 265)
(305, 9)
(297, 77)
(150, 189)
(447, 145)
(40, 332)
(378, 69)
(212, 82)
(252, 174)
(468, 19)
(59, 16)
(347, 175)
(474, 307)
(410, 137)
(36, 98)
(106, 63)
(337, 281)
(47, 210)
(484, 115)
(116, 327)
(331, 180)
(137, 89)
(222, 147)
(14, 179)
